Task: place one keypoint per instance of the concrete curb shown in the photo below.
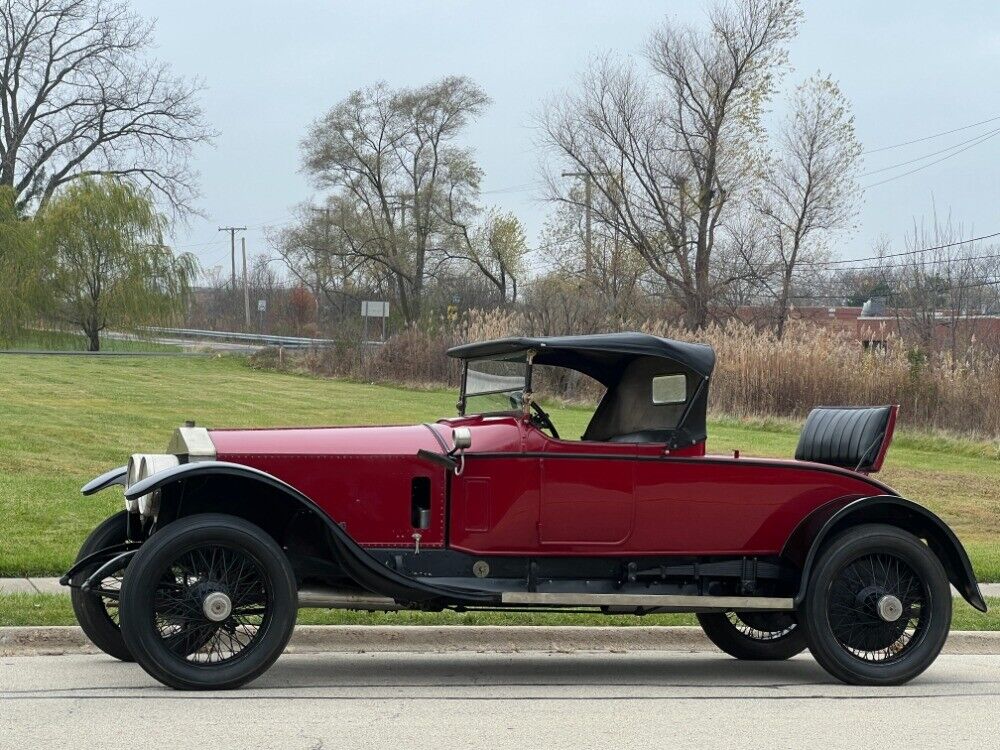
(57, 640)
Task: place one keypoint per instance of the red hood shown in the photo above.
(489, 433)
(342, 441)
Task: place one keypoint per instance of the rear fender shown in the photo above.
(183, 493)
(820, 526)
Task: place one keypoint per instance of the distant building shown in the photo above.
(874, 322)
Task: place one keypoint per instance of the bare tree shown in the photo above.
(495, 248)
(616, 269)
(809, 189)
(669, 152)
(79, 95)
(315, 251)
(390, 155)
(940, 283)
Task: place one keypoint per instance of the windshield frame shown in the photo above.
(526, 356)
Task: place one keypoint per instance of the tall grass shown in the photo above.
(756, 374)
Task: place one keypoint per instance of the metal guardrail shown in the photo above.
(248, 338)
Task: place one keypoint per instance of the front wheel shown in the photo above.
(97, 613)
(209, 603)
(877, 608)
(754, 636)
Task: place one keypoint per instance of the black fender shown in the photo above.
(806, 541)
(102, 556)
(118, 562)
(364, 569)
(107, 479)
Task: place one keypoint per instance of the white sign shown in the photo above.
(261, 305)
(374, 309)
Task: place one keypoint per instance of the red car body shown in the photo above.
(525, 493)
(486, 510)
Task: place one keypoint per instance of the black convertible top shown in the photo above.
(598, 355)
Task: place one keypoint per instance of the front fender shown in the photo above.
(806, 541)
(366, 571)
(110, 478)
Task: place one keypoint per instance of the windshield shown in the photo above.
(495, 385)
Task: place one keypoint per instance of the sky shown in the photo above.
(911, 69)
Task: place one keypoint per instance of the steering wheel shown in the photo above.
(543, 420)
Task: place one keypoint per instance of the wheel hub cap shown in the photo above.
(217, 606)
(890, 608)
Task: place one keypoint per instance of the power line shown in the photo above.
(982, 139)
(935, 290)
(928, 156)
(934, 262)
(900, 254)
(930, 137)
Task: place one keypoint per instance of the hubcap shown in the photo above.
(217, 606)
(890, 608)
(877, 608)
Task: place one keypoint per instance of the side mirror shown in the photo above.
(461, 439)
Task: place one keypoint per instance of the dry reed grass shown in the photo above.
(756, 375)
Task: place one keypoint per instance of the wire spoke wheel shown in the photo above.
(97, 610)
(754, 636)
(212, 604)
(762, 626)
(876, 608)
(109, 593)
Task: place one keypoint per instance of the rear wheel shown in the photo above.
(754, 636)
(97, 614)
(209, 603)
(877, 608)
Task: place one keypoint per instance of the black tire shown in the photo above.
(164, 602)
(754, 636)
(877, 608)
(98, 617)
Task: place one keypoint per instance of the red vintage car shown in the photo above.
(227, 534)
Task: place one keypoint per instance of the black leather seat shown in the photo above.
(846, 436)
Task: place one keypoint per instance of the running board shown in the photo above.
(740, 603)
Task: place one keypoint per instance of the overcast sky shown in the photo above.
(911, 69)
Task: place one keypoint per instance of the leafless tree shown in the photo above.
(940, 284)
(808, 192)
(80, 95)
(616, 269)
(670, 151)
(315, 251)
(391, 156)
(494, 247)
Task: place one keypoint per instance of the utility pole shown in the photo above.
(232, 248)
(588, 198)
(246, 285)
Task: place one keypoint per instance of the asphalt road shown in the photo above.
(528, 702)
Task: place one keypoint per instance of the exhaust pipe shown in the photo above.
(330, 598)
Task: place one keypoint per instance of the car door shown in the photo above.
(587, 500)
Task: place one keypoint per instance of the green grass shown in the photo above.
(65, 420)
(53, 609)
(62, 341)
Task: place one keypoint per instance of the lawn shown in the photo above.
(53, 609)
(67, 419)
